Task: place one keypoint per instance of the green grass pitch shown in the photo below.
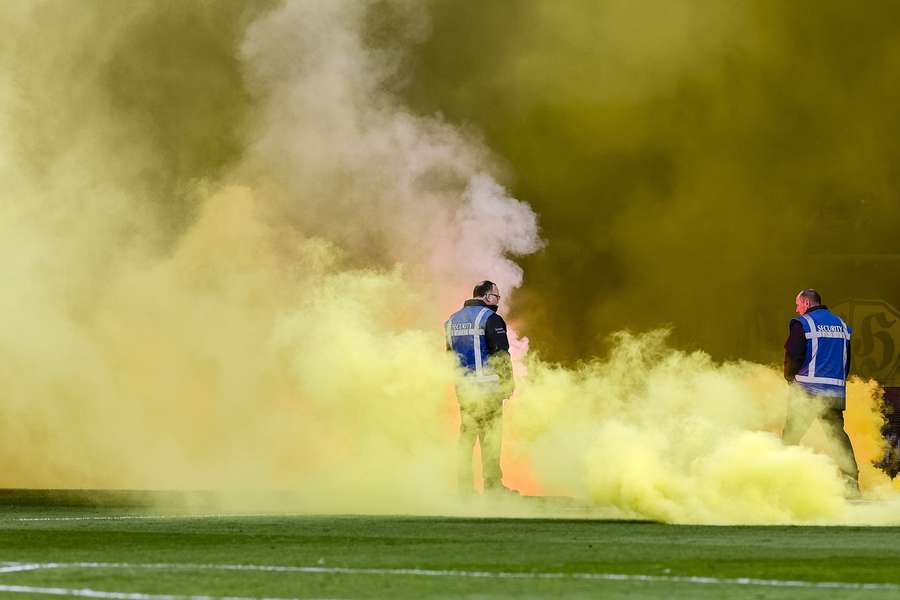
(53, 551)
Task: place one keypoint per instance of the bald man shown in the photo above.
(817, 360)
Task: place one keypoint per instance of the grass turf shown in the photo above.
(436, 545)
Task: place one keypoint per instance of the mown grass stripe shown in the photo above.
(415, 572)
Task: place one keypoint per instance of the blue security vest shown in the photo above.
(825, 366)
(465, 336)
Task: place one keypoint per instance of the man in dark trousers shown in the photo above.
(817, 359)
(477, 334)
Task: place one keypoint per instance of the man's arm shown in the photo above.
(794, 351)
(495, 334)
(498, 351)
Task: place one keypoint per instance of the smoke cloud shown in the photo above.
(347, 162)
(230, 233)
(284, 333)
(673, 436)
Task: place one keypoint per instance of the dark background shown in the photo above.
(693, 164)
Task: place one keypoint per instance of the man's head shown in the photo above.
(807, 299)
(487, 291)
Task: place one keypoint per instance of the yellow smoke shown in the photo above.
(259, 308)
(245, 360)
(863, 421)
(283, 333)
(674, 436)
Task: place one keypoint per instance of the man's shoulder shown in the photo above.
(495, 318)
(474, 303)
(817, 313)
(468, 307)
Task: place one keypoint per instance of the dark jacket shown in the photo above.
(497, 343)
(795, 348)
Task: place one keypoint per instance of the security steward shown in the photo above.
(477, 334)
(817, 360)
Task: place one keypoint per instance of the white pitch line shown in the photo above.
(690, 579)
(18, 567)
(147, 517)
(89, 593)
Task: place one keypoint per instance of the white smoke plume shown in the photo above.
(353, 165)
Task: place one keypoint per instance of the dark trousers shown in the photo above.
(799, 422)
(481, 418)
